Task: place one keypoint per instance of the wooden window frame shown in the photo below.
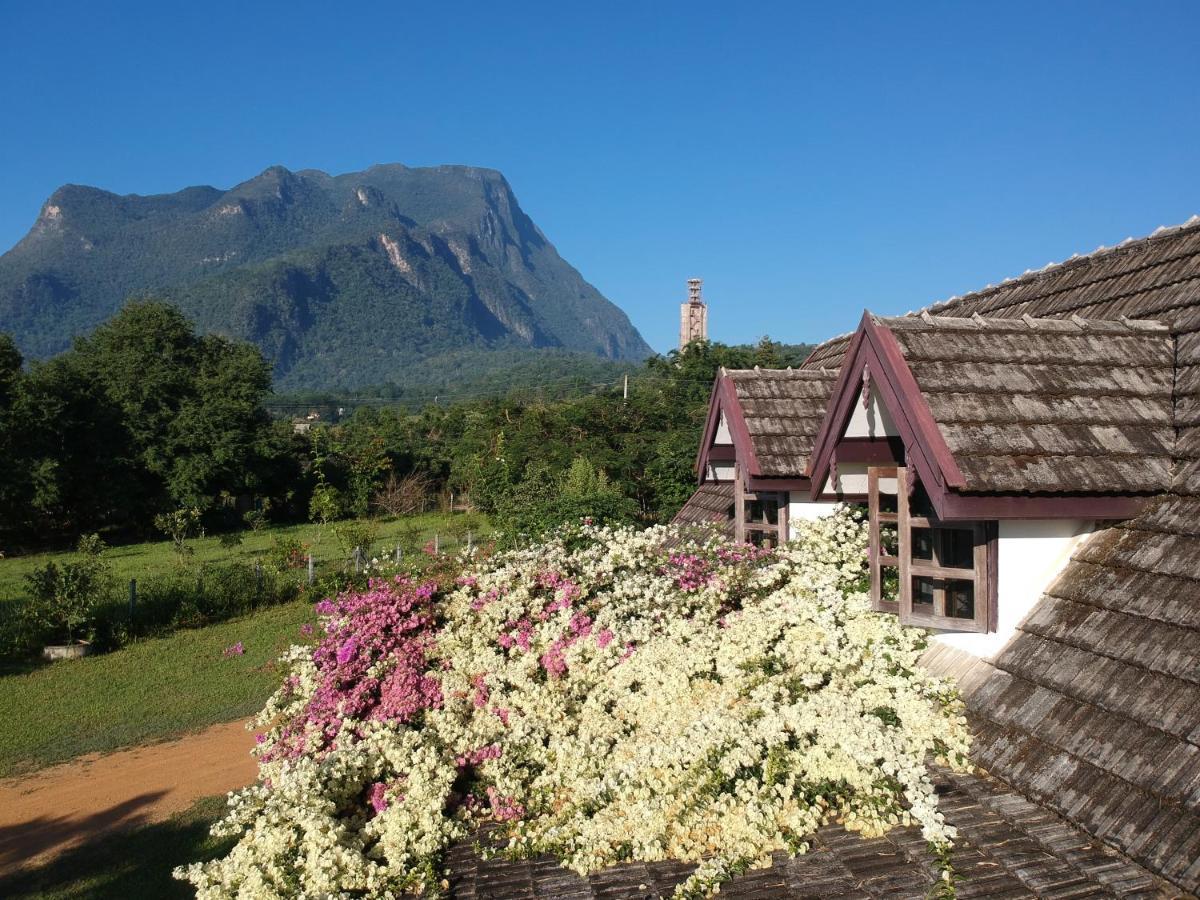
(743, 527)
(982, 574)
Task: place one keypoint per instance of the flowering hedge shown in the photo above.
(604, 699)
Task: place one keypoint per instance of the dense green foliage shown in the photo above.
(147, 423)
(341, 281)
(140, 418)
(511, 456)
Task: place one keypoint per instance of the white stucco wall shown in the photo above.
(852, 481)
(720, 471)
(801, 509)
(722, 436)
(1031, 554)
(871, 422)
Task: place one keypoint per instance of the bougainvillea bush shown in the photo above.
(605, 696)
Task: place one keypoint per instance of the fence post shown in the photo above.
(132, 598)
(399, 554)
(437, 544)
(470, 542)
(311, 574)
(357, 560)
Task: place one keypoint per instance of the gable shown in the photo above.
(1012, 410)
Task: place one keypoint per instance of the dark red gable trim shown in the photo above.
(779, 484)
(952, 506)
(710, 428)
(925, 448)
(724, 400)
(877, 451)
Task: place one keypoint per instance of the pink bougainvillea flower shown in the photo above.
(237, 649)
(505, 809)
(372, 664)
(307, 629)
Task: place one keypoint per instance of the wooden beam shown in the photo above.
(873, 451)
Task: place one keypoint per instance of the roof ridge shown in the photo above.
(1076, 259)
(760, 372)
(1074, 324)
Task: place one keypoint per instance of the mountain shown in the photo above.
(341, 280)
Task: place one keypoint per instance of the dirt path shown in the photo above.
(55, 809)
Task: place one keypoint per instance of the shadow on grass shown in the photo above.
(126, 863)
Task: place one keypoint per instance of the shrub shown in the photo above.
(542, 503)
(403, 496)
(179, 525)
(357, 534)
(601, 698)
(62, 599)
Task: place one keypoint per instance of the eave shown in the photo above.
(724, 400)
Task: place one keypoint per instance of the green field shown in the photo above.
(142, 560)
(151, 690)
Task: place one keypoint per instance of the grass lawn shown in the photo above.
(149, 690)
(135, 863)
(141, 560)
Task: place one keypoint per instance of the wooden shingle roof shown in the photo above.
(1007, 848)
(711, 504)
(782, 409)
(1093, 709)
(1047, 405)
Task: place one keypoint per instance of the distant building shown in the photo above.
(304, 425)
(693, 316)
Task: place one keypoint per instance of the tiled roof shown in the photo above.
(1093, 709)
(1047, 405)
(711, 503)
(783, 409)
(1007, 848)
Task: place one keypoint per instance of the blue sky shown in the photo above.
(807, 162)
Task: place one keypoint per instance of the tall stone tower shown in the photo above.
(693, 316)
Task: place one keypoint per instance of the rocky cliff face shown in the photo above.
(342, 280)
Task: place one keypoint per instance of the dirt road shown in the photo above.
(58, 808)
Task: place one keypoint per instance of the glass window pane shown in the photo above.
(888, 503)
(764, 509)
(960, 599)
(922, 544)
(766, 539)
(957, 550)
(770, 507)
(922, 594)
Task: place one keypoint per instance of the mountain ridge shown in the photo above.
(340, 279)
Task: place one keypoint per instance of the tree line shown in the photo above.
(146, 417)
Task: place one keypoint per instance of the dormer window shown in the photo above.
(931, 573)
(764, 518)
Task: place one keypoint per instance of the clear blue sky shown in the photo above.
(805, 162)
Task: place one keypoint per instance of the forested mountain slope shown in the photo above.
(341, 280)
